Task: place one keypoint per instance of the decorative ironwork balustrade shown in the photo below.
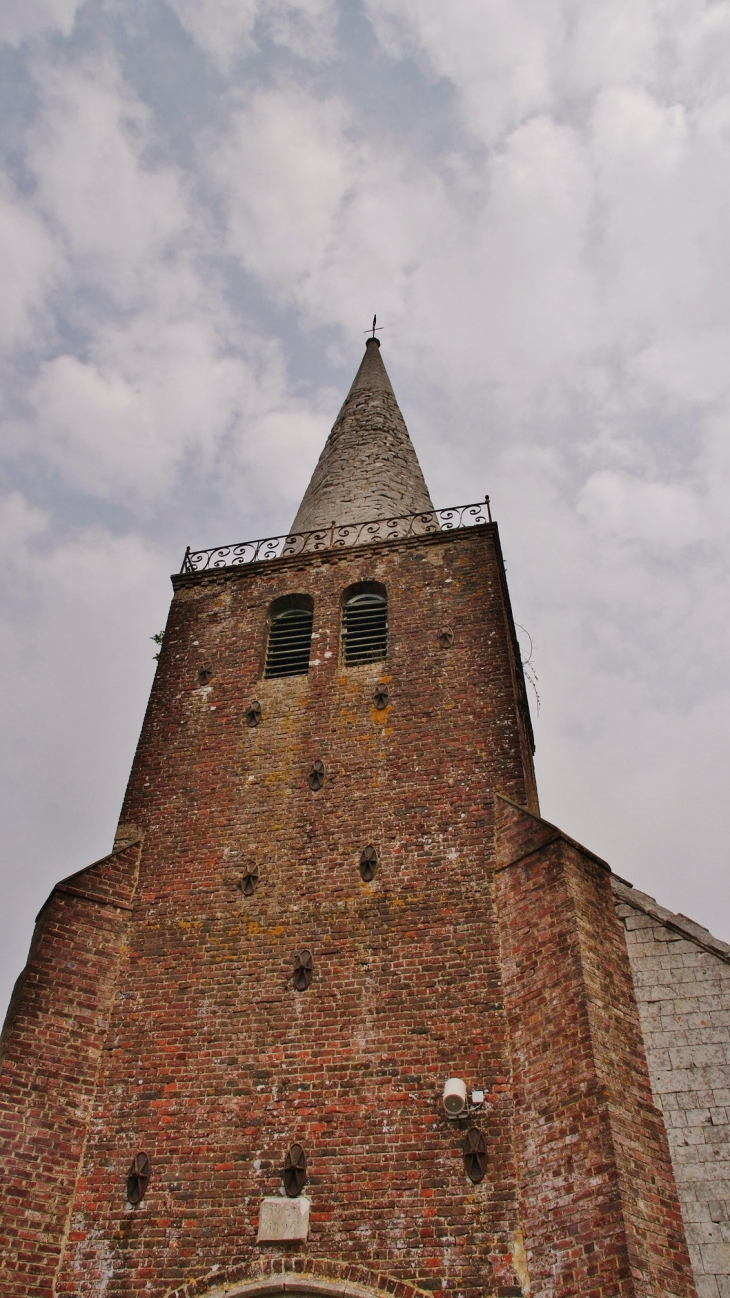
(337, 536)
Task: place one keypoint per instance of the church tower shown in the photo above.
(340, 1014)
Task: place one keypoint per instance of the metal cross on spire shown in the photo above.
(372, 330)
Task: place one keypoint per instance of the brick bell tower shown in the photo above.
(339, 1014)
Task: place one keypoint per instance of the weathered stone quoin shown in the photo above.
(222, 1068)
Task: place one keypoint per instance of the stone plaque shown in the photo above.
(281, 1218)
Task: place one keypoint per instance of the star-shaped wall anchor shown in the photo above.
(137, 1178)
(295, 1171)
(381, 694)
(303, 970)
(248, 881)
(474, 1149)
(317, 776)
(368, 863)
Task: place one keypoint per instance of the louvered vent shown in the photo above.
(365, 631)
(287, 653)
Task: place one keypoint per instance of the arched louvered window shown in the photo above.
(290, 636)
(365, 624)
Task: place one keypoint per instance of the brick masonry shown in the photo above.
(215, 1064)
(599, 1205)
(176, 1028)
(50, 1054)
(682, 979)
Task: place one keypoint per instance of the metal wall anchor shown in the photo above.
(368, 863)
(381, 696)
(303, 970)
(475, 1155)
(295, 1171)
(317, 776)
(247, 883)
(137, 1178)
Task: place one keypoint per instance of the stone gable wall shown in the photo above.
(682, 979)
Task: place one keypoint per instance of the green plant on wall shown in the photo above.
(158, 640)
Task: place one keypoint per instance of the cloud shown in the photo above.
(160, 397)
(31, 263)
(321, 216)
(118, 209)
(285, 168)
(20, 522)
(23, 20)
(509, 61)
(165, 376)
(228, 29)
(124, 419)
(621, 508)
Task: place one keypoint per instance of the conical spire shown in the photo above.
(368, 468)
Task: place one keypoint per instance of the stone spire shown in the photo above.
(368, 468)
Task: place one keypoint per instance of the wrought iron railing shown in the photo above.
(337, 536)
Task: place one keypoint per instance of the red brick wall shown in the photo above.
(213, 1063)
(598, 1201)
(49, 1059)
(217, 1063)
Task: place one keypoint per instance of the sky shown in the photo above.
(202, 204)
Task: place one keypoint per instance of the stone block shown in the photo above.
(707, 1287)
(281, 1219)
(716, 1259)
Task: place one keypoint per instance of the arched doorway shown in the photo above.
(298, 1277)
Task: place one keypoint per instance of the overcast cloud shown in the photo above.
(202, 202)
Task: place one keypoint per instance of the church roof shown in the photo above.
(368, 468)
(680, 924)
